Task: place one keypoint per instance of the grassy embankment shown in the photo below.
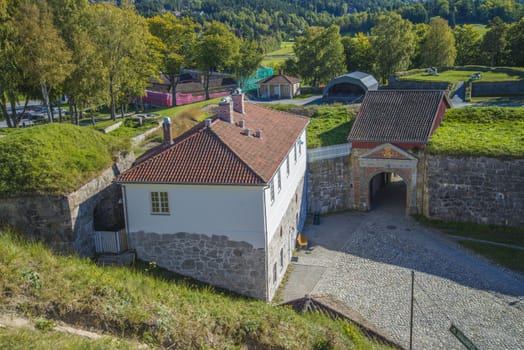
(480, 131)
(329, 124)
(54, 158)
(454, 76)
(278, 57)
(149, 304)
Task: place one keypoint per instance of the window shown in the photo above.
(159, 203)
(300, 146)
(271, 191)
(295, 152)
(281, 258)
(275, 273)
(287, 165)
(279, 181)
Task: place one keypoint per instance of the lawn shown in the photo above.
(480, 131)
(508, 257)
(454, 76)
(279, 56)
(147, 303)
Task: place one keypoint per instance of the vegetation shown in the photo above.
(456, 75)
(54, 158)
(480, 131)
(156, 307)
(508, 257)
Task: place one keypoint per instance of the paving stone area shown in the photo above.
(367, 259)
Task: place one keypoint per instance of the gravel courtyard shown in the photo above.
(366, 259)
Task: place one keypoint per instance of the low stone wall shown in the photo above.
(330, 185)
(232, 265)
(486, 88)
(66, 223)
(397, 84)
(482, 190)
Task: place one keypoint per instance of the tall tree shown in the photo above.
(320, 55)
(438, 49)
(359, 53)
(248, 59)
(176, 42)
(515, 37)
(393, 42)
(467, 41)
(216, 50)
(123, 39)
(494, 41)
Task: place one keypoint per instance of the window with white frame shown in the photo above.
(300, 146)
(295, 152)
(279, 181)
(271, 191)
(287, 165)
(159, 203)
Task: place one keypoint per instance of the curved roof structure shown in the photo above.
(350, 85)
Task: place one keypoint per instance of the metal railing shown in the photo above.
(328, 152)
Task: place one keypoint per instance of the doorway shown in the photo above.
(387, 191)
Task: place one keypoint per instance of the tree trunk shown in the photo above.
(206, 84)
(72, 110)
(59, 105)
(45, 95)
(112, 95)
(6, 114)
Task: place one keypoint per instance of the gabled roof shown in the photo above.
(397, 116)
(221, 153)
(280, 79)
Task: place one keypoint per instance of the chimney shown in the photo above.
(238, 101)
(225, 110)
(258, 133)
(208, 122)
(242, 123)
(168, 133)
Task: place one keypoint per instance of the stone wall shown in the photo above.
(397, 84)
(330, 186)
(235, 266)
(66, 223)
(482, 190)
(485, 88)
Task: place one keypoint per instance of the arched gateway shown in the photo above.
(389, 136)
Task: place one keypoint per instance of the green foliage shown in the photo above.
(156, 306)
(467, 40)
(438, 48)
(456, 75)
(44, 324)
(508, 257)
(480, 131)
(54, 158)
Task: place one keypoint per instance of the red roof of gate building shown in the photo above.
(398, 116)
(222, 153)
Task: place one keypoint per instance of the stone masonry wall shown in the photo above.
(482, 190)
(485, 88)
(232, 265)
(66, 223)
(330, 185)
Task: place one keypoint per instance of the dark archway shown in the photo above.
(388, 191)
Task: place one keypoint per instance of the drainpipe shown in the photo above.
(266, 245)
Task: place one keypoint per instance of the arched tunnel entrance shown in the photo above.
(388, 191)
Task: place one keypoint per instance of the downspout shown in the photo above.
(125, 209)
(266, 244)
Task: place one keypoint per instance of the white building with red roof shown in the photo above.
(222, 202)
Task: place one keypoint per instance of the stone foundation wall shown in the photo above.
(482, 190)
(66, 223)
(232, 265)
(484, 88)
(330, 185)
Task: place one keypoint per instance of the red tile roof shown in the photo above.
(221, 153)
(397, 116)
(280, 79)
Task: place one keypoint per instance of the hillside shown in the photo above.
(152, 306)
(54, 158)
(480, 131)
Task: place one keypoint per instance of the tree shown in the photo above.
(467, 42)
(393, 42)
(176, 42)
(248, 59)
(320, 55)
(215, 50)
(438, 49)
(123, 40)
(515, 37)
(359, 53)
(494, 41)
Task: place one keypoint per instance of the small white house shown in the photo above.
(221, 203)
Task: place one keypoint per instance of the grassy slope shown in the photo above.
(153, 306)
(480, 131)
(54, 158)
(454, 76)
(279, 56)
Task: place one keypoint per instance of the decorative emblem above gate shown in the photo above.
(388, 156)
(388, 153)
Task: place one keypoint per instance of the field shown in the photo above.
(480, 131)
(454, 76)
(278, 57)
(151, 305)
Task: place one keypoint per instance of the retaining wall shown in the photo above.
(485, 88)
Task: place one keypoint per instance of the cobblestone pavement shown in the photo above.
(366, 260)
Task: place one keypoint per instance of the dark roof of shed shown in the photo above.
(397, 116)
(364, 80)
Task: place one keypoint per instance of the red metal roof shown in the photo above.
(221, 153)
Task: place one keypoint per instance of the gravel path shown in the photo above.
(367, 259)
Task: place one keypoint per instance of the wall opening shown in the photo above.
(387, 190)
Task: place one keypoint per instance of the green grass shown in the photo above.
(147, 303)
(480, 131)
(454, 76)
(54, 158)
(278, 57)
(22, 339)
(508, 257)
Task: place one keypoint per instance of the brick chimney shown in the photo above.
(238, 101)
(168, 133)
(225, 110)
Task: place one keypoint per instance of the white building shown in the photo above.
(221, 203)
